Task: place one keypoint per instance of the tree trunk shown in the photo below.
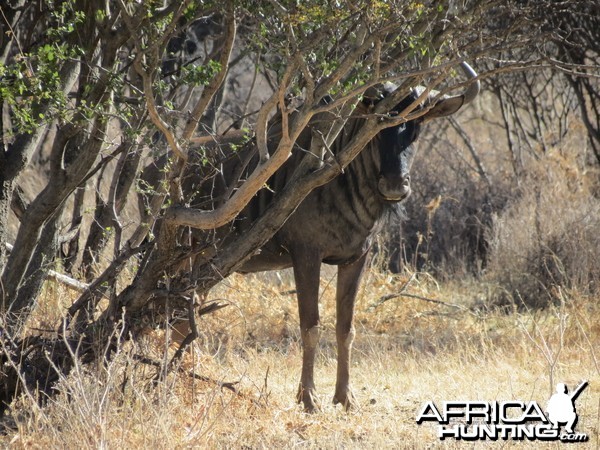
(41, 261)
(78, 157)
(72, 252)
(107, 213)
(12, 163)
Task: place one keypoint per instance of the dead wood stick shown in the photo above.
(61, 278)
(385, 298)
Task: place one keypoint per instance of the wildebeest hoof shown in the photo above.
(308, 397)
(346, 399)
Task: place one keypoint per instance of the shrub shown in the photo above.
(547, 239)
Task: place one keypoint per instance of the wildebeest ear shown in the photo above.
(372, 95)
(449, 105)
(445, 107)
(378, 92)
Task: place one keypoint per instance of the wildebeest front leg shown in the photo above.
(348, 281)
(307, 267)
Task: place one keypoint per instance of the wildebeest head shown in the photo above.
(396, 143)
(396, 154)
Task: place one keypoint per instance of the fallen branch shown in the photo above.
(68, 281)
(401, 293)
(59, 277)
(385, 298)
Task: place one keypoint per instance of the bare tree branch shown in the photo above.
(210, 90)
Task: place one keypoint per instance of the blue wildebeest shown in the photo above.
(335, 224)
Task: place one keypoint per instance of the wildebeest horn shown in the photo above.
(474, 88)
(447, 106)
(444, 106)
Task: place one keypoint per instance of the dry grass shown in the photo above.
(548, 236)
(407, 351)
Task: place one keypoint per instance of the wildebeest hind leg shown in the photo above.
(349, 277)
(307, 267)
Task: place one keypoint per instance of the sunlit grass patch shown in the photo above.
(436, 344)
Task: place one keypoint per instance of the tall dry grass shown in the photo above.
(548, 238)
(408, 350)
(530, 233)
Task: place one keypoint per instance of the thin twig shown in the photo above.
(385, 299)
(388, 297)
(420, 297)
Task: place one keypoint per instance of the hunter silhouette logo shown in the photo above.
(561, 406)
(517, 420)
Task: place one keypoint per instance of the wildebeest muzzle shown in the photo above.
(394, 188)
